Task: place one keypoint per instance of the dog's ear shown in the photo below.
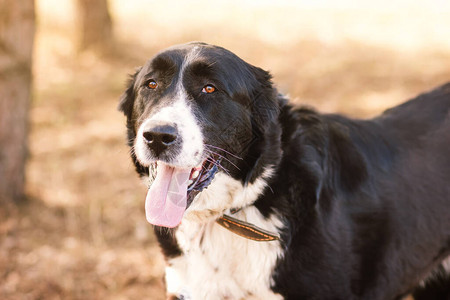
(127, 98)
(265, 99)
(265, 147)
(126, 106)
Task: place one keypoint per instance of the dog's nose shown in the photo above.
(160, 137)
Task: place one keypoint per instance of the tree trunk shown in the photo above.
(96, 25)
(17, 25)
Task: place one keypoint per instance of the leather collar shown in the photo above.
(246, 229)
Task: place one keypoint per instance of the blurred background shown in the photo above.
(80, 231)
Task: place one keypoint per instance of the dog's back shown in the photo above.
(419, 186)
(420, 117)
(414, 187)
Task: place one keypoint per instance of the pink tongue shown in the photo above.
(167, 197)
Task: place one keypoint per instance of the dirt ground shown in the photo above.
(82, 233)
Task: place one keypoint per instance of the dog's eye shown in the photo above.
(151, 84)
(208, 89)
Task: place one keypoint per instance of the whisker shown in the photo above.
(132, 151)
(223, 157)
(218, 165)
(218, 154)
(227, 152)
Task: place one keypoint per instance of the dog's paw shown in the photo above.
(177, 297)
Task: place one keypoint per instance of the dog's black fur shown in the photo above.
(365, 203)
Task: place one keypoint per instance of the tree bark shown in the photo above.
(17, 25)
(96, 25)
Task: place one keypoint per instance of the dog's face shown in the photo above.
(192, 111)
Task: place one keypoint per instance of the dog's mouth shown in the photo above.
(173, 190)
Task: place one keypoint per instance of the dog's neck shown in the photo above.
(225, 194)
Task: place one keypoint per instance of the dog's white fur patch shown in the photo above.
(174, 278)
(212, 264)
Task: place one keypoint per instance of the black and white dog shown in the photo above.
(267, 201)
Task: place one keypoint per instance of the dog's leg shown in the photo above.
(175, 278)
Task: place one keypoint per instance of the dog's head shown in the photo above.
(193, 111)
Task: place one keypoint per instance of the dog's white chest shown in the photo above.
(218, 264)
